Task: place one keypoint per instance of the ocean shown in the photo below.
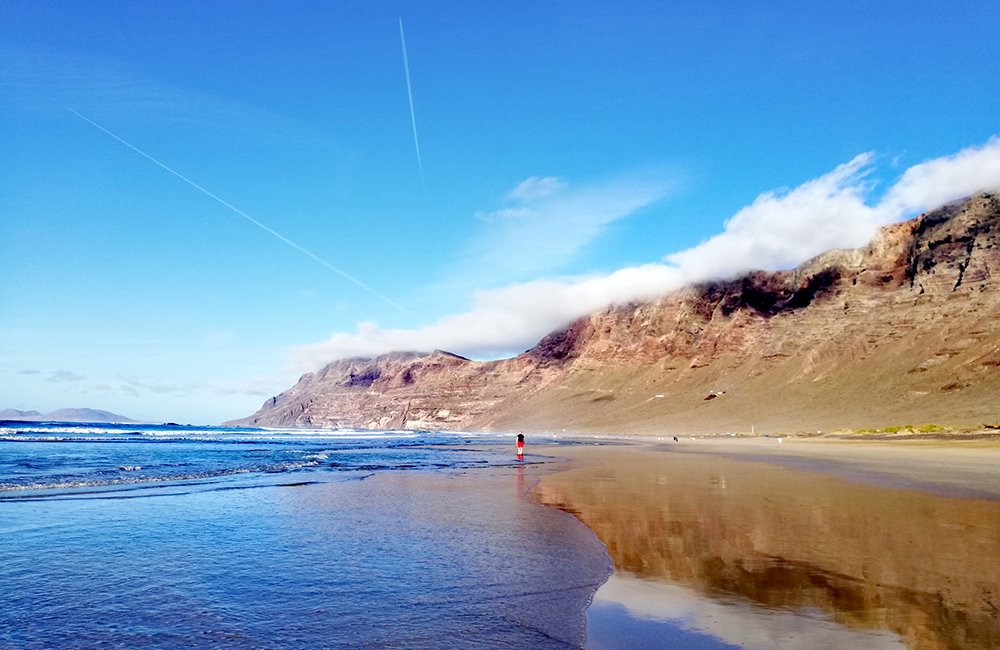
(161, 536)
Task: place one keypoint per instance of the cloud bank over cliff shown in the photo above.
(780, 229)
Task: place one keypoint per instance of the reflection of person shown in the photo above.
(520, 445)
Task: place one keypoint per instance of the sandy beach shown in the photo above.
(261, 540)
(953, 467)
(816, 543)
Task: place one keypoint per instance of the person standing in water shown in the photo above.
(520, 446)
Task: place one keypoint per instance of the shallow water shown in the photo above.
(139, 537)
(71, 456)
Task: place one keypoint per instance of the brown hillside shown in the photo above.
(903, 330)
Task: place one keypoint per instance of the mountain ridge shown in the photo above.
(900, 330)
(65, 415)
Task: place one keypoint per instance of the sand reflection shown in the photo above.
(921, 566)
(633, 613)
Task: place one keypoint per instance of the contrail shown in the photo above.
(246, 216)
(409, 92)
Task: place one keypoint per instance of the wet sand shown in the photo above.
(960, 468)
(722, 543)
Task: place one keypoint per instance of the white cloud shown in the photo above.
(501, 322)
(778, 230)
(64, 375)
(135, 384)
(43, 81)
(254, 386)
(945, 179)
(548, 222)
(782, 230)
(536, 188)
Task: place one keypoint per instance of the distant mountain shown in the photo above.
(904, 330)
(14, 414)
(64, 415)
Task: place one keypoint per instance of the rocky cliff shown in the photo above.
(904, 330)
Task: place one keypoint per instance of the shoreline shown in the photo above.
(986, 434)
(942, 464)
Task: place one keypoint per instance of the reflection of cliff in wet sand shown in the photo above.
(924, 566)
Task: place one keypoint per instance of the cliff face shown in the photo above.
(903, 330)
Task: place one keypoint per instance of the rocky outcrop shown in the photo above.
(396, 391)
(903, 330)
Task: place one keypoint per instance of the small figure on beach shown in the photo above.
(779, 442)
(675, 439)
(520, 446)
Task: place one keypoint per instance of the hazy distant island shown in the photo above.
(904, 330)
(65, 415)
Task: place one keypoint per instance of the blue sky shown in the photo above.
(565, 146)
